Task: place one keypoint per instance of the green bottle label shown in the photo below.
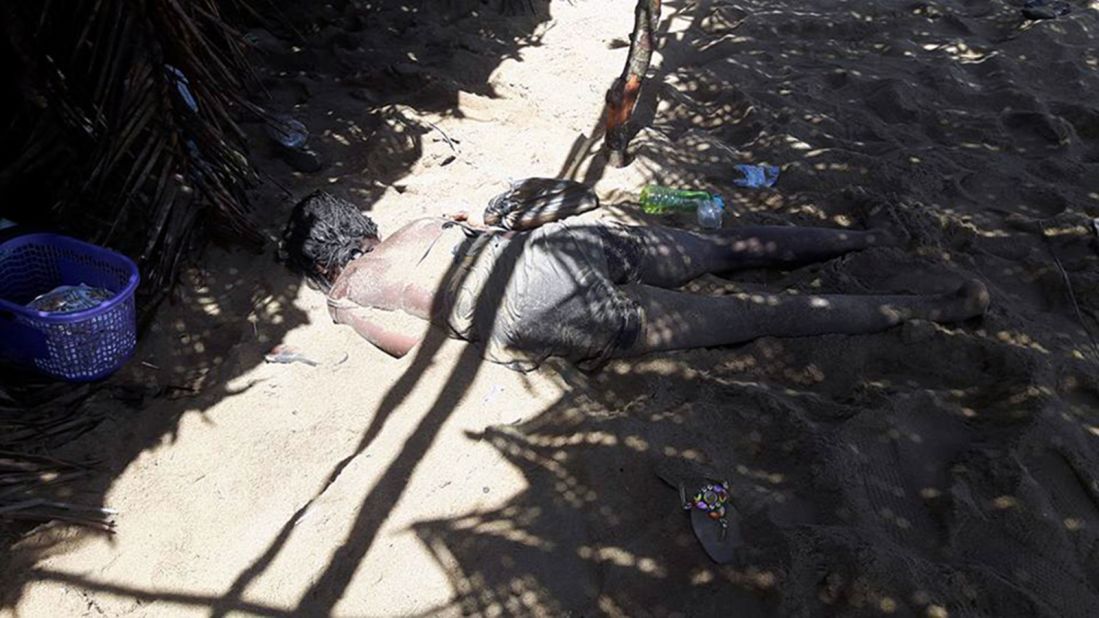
(659, 200)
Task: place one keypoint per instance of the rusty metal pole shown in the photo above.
(622, 97)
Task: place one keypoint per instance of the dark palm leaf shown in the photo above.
(124, 124)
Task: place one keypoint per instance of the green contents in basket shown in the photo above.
(70, 298)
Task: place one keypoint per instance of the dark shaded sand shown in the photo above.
(927, 470)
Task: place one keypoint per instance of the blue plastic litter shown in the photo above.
(183, 85)
(78, 346)
(757, 176)
(288, 131)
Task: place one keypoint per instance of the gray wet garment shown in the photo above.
(547, 293)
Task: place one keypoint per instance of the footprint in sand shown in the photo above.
(1033, 201)
(1041, 202)
(892, 103)
(723, 20)
(837, 79)
(1085, 120)
(1035, 130)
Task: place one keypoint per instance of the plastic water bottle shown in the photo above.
(659, 200)
(710, 213)
(708, 208)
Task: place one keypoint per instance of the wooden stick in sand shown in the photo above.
(622, 97)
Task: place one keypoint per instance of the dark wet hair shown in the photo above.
(323, 234)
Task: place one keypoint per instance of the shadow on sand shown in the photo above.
(925, 469)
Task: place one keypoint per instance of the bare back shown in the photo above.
(405, 272)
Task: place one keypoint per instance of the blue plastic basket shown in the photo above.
(80, 346)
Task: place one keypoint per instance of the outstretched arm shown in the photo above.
(469, 218)
(534, 202)
(378, 329)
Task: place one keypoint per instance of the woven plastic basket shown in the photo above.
(80, 346)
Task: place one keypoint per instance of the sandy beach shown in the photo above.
(928, 470)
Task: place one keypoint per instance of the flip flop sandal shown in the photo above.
(533, 202)
(713, 516)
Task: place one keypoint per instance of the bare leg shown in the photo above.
(672, 258)
(677, 321)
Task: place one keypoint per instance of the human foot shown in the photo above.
(975, 297)
(968, 301)
(882, 237)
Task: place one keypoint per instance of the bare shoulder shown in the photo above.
(413, 232)
(366, 282)
(378, 279)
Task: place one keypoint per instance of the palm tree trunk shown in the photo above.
(622, 97)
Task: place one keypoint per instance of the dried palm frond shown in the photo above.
(35, 488)
(44, 417)
(121, 129)
(31, 487)
(125, 126)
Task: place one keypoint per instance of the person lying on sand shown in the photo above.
(586, 292)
